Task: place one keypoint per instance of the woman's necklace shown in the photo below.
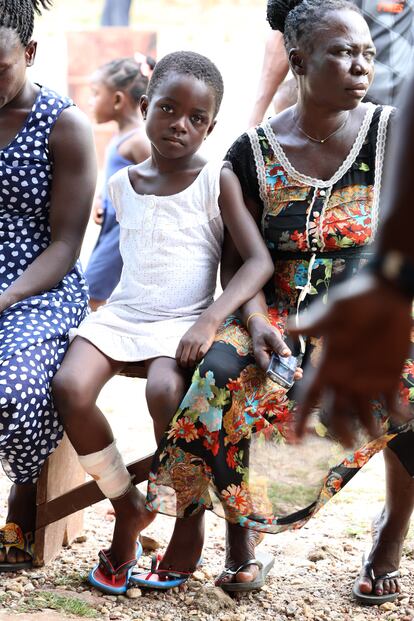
(327, 137)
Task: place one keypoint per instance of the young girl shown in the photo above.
(174, 211)
(117, 88)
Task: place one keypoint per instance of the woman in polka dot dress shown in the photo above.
(47, 179)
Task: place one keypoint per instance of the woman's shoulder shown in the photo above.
(51, 107)
(50, 100)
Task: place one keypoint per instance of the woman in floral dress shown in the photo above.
(229, 446)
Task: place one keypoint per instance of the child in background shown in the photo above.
(117, 88)
(176, 213)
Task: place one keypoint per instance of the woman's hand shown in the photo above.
(195, 343)
(266, 340)
(366, 330)
(98, 211)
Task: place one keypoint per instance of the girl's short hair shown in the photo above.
(18, 15)
(188, 63)
(298, 19)
(128, 75)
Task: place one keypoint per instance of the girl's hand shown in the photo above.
(195, 343)
(97, 211)
(267, 339)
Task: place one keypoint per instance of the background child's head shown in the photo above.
(119, 85)
(188, 64)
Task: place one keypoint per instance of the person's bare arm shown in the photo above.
(366, 334)
(137, 148)
(254, 270)
(274, 70)
(74, 177)
(367, 325)
(266, 338)
(396, 232)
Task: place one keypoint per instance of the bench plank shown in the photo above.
(85, 495)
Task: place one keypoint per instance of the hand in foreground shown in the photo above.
(195, 343)
(97, 211)
(267, 339)
(366, 328)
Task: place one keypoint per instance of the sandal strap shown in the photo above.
(245, 565)
(172, 573)
(105, 562)
(390, 575)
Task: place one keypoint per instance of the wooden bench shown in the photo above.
(62, 493)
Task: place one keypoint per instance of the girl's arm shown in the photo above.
(74, 176)
(248, 278)
(265, 337)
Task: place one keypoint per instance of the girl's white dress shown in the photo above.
(171, 248)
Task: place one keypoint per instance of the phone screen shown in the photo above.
(282, 369)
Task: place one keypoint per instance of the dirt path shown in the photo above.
(311, 580)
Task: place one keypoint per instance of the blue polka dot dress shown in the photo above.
(33, 332)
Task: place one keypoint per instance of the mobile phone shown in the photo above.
(282, 369)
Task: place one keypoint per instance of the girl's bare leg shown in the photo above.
(166, 386)
(76, 386)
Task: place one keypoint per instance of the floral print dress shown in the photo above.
(229, 446)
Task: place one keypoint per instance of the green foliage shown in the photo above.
(68, 605)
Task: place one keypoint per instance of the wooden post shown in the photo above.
(60, 473)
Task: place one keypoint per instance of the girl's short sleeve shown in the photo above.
(240, 156)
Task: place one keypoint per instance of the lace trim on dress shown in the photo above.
(342, 170)
(320, 229)
(379, 164)
(260, 169)
(308, 216)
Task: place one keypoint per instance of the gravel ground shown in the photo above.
(311, 580)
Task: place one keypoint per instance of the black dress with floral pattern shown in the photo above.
(229, 447)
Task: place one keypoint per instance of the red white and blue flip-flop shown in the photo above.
(109, 579)
(161, 579)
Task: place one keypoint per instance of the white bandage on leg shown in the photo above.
(108, 470)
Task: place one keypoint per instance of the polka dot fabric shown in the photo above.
(33, 332)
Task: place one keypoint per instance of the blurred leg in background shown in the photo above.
(116, 13)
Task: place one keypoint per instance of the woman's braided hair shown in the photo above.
(298, 19)
(18, 15)
(126, 74)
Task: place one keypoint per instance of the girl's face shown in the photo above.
(14, 59)
(102, 100)
(179, 115)
(339, 69)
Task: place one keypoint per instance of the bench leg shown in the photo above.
(60, 474)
